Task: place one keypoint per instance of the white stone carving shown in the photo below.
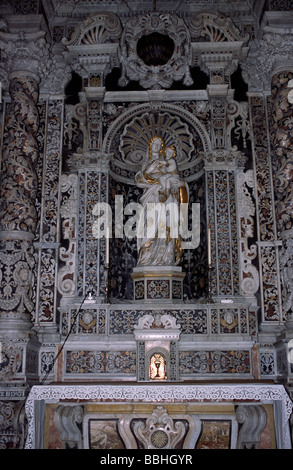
(27, 52)
(145, 322)
(157, 321)
(93, 46)
(246, 212)
(96, 29)
(155, 76)
(58, 76)
(253, 419)
(169, 127)
(145, 119)
(270, 53)
(219, 158)
(215, 26)
(152, 393)
(159, 431)
(286, 265)
(11, 360)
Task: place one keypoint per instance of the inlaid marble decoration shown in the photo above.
(89, 321)
(265, 209)
(263, 176)
(100, 362)
(223, 222)
(215, 435)
(282, 141)
(48, 232)
(192, 321)
(20, 154)
(214, 362)
(103, 434)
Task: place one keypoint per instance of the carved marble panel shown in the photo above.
(156, 72)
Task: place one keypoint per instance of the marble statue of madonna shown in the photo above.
(164, 189)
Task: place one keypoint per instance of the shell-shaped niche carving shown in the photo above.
(95, 35)
(215, 27)
(96, 29)
(137, 134)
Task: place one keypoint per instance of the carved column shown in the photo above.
(24, 53)
(282, 91)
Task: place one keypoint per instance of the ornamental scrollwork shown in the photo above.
(159, 431)
(246, 207)
(96, 29)
(66, 280)
(155, 76)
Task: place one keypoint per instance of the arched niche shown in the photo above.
(157, 363)
(127, 140)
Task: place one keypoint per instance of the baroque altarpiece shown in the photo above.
(167, 343)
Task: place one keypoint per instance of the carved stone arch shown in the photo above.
(127, 139)
(122, 173)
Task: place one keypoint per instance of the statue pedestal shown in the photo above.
(158, 283)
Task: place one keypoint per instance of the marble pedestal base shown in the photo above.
(158, 283)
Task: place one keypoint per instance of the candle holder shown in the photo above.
(209, 299)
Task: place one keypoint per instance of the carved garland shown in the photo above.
(155, 76)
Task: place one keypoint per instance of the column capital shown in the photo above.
(220, 159)
(24, 47)
(269, 55)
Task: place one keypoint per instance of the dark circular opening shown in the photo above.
(155, 49)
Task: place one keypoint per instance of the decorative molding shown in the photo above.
(157, 320)
(170, 127)
(160, 394)
(67, 418)
(214, 27)
(93, 47)
(272, 52)
(286, 267)
(17, 280)
(222, 159)
(68, 212)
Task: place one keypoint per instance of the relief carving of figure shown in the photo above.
(164, 190)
